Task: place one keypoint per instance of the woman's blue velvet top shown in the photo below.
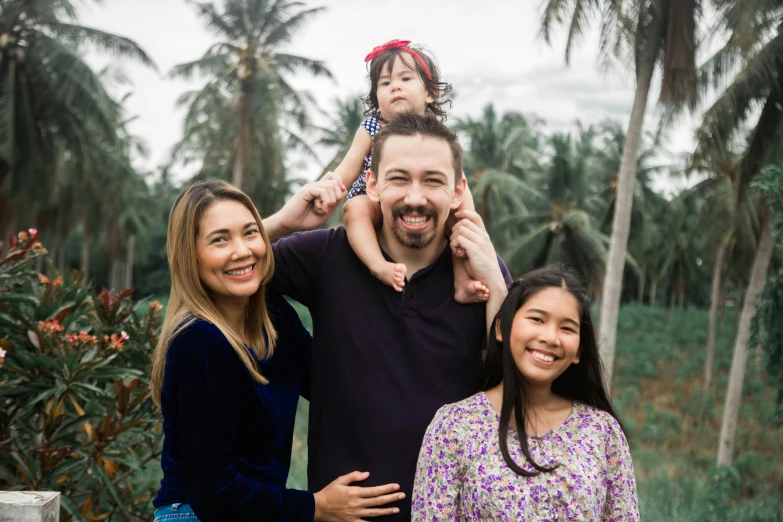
(227, 445)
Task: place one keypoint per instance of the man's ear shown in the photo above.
(459, 192)
(372, 187)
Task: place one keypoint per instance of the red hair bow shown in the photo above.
(401, 45)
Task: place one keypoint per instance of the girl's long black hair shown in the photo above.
(581, 382)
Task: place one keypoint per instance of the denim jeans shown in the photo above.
(178, 512)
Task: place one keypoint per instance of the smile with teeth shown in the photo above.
(542, 357)
(241, 272)
(415, 221)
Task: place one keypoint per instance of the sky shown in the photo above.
(489, 50)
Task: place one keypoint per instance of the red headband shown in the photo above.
(402, 45)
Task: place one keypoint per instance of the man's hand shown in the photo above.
(308, 208)
(470, 242)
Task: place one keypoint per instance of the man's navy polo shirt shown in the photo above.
(383, 361)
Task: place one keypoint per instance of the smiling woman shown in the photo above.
(566, 457)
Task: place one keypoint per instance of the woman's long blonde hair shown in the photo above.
(190, 300)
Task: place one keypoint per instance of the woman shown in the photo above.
(542, 442)
(228, 370)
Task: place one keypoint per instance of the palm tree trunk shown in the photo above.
(242, 163)
(85, 266)
(672, 302)
(653, 290)
(715, 298)
(758, 276)
(113, 266)
(738, 305)
(621, 223)
(61, 257)
(130, 257)
(640, 296)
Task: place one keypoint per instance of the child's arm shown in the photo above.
(360, 215)
(466, 289)
(351, 166)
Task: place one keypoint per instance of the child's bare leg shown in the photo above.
(466, 289)
(360, 215)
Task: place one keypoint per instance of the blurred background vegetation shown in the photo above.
(699, 283)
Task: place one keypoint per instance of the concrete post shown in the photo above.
(29, 506)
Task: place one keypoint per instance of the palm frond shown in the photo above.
(118, 46)
(214, 21)
(292, 64)
(208, 65)
(284, 31)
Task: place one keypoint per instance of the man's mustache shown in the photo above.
(424, 211)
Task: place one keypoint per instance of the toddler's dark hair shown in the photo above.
(435, 88)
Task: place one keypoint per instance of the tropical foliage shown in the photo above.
(76, 415)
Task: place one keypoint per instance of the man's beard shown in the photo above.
(411, 239)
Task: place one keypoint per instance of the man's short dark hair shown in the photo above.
(411, 124)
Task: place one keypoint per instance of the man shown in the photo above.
(385, 361)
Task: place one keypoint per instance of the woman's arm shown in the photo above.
(439, 471)
(206, 384)
(621, 501)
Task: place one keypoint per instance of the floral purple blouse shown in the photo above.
(461, 474)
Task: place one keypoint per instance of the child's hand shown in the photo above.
(308, 208)
(318, 204)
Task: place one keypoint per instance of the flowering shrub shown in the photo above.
(75, 411)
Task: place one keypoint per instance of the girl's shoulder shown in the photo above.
(372, 125)
(470, 413)
(590, 417)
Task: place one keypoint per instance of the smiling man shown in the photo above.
(384, 362)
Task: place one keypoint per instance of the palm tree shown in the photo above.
(720, 192)
(758, 48)
(246, 71)
(679, 250)
(502, 161)
(49, 98)
(562, 229)
(510, 143)
(752, 60)
(651, 33)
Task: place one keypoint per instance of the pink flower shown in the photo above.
(117, 341)
(50, 326)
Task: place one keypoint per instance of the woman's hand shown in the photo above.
(340, 501)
